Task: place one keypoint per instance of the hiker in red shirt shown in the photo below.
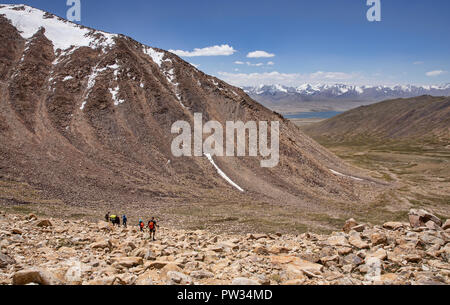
(152, 227)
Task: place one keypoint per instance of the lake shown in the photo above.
(313, 115)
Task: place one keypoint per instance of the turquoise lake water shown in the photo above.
(313, 115)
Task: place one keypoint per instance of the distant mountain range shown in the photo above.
(341, 91)
(308, 97)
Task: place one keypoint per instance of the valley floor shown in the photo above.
(420, 171)
(418, 174)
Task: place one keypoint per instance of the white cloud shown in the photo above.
(260, 64)
(418, 63)
(222, 50)
(331, 75)
(287, 79)
(435, 73)
(260, 54)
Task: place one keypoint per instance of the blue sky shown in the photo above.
(314, 41)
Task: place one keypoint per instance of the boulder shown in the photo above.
(102, 244)
(433, 226)
(353, 260)
(126, 279)
(344, 250)
(243, 281)
(419, 217)
(228, 245)
(349, 224)
(201, 274)
(156, 264)
(431, 239)
(73, 274)
(261, 250)
(446, 225)
(380, 254)
(337, 241)
(296, 282)
(31, 217)
(257, 236)
(44, 223)
(326, 259)
(216, 248)
(145, 279)
(311, 257)
(128, 262)
(178, 278)
(393, 225)
(5, 260)
(360, 228)
(169, 267)
(356, 241)
(296, 263)
(278, 250)
(388, 279)
(104, 226)
(16, 231)
(414, 221)
(105, 281)
(37, 276)
(378, 238)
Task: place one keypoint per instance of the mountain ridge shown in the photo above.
(338, 97)
(346, 91)
(420, 118)
(92, 123)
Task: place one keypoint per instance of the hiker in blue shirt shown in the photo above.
(124, 220)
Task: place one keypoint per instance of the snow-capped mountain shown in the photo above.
(309, 92)
(86, 116)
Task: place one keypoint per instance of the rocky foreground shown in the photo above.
(58, 252)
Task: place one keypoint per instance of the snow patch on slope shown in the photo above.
(342, 175)
(170, 76)
(156, 56)
(222, 174)
(114, 93)
(63, 34)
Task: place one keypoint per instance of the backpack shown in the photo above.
(151, 225)
(141, 224)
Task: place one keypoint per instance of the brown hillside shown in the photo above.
(420, 118)
(91, 124)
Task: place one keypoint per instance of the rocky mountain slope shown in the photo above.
(57, 252)
(338, 97)
(419, 118)
(86, 116)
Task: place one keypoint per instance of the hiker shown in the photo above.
(118, 221)
(114, 219)
(124, 220)
(141, 225)
(152, 227)
(107, 217)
